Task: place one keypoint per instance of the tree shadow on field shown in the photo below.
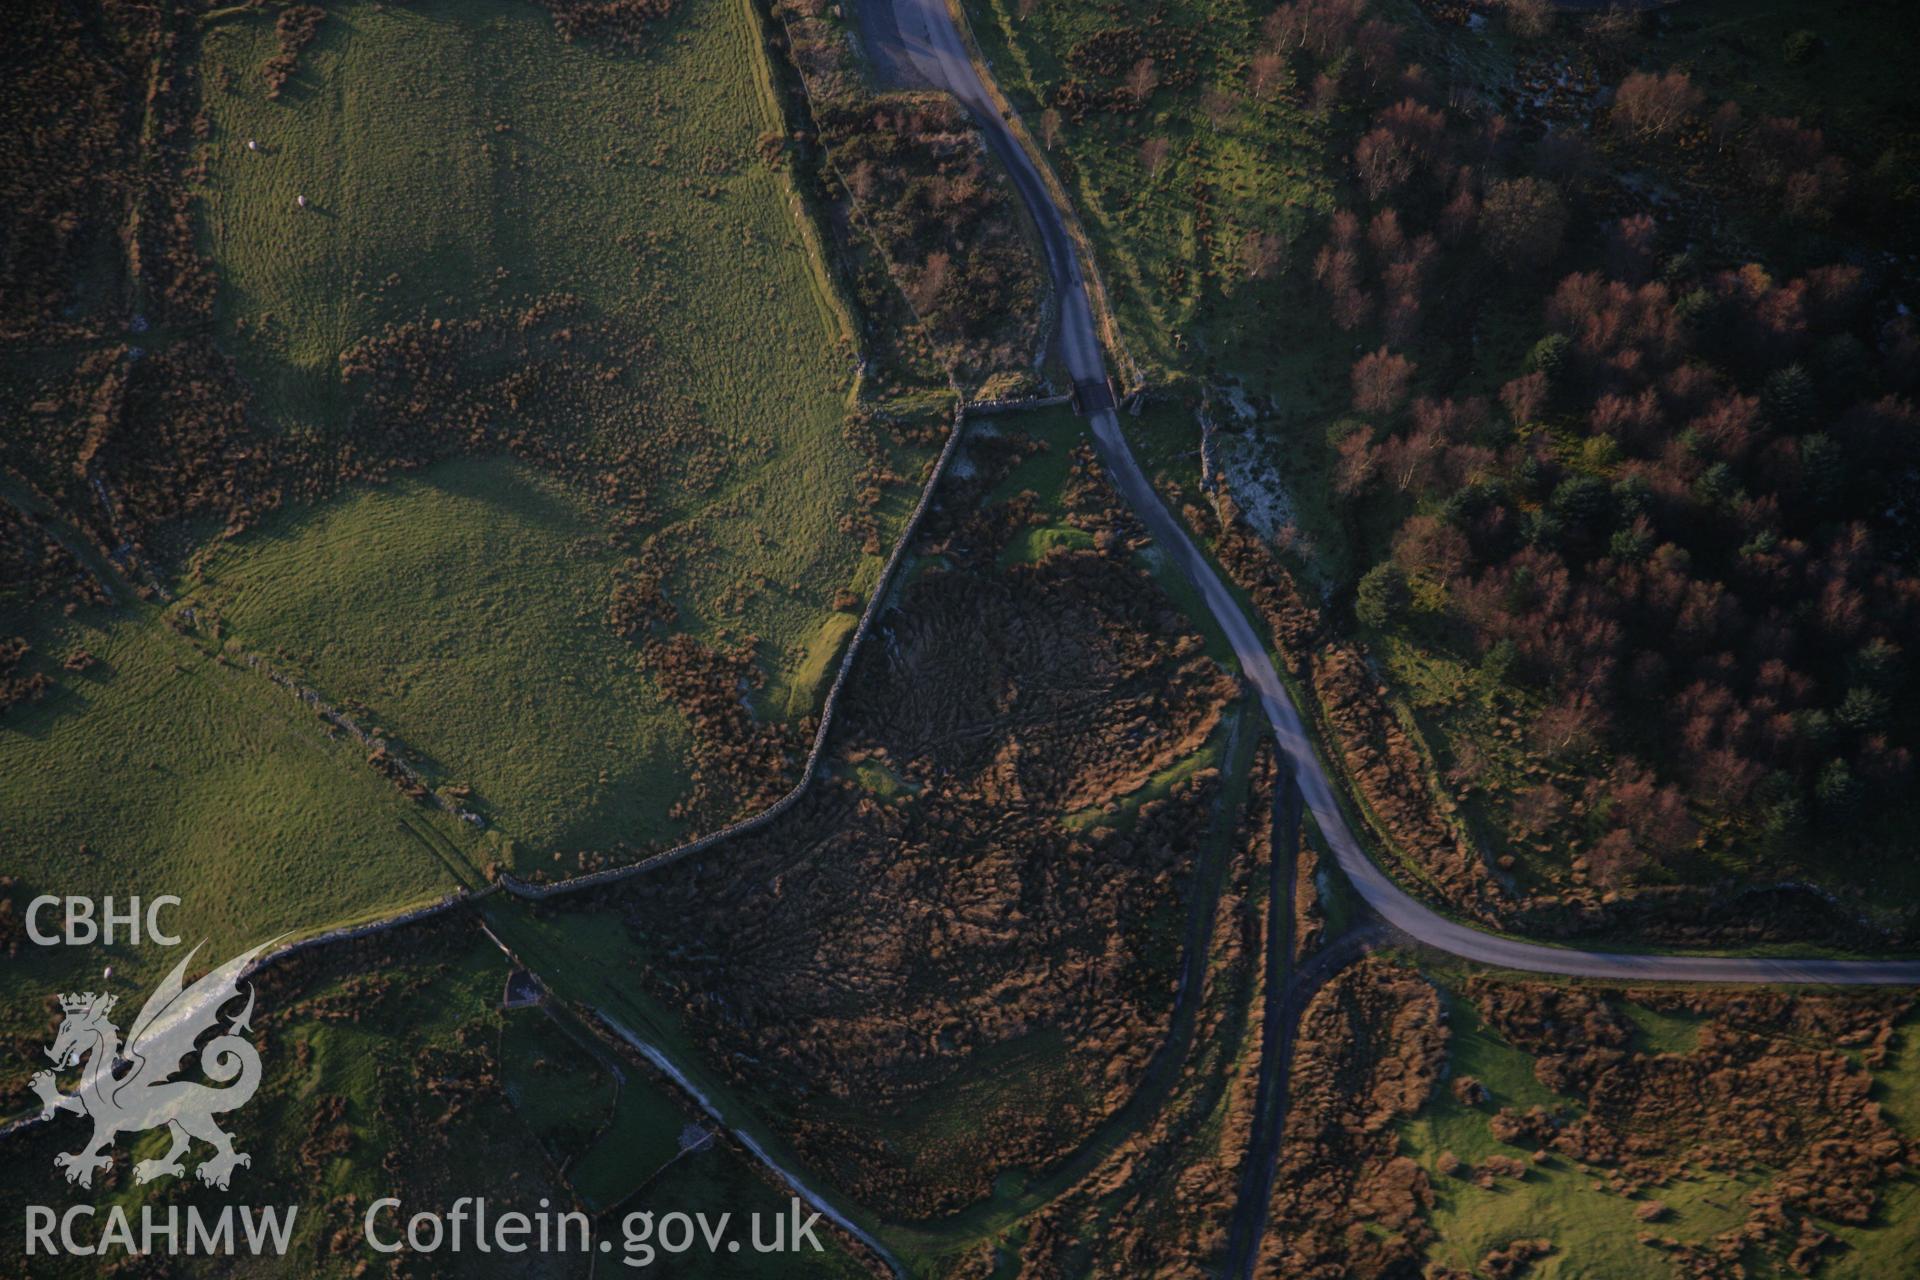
(34, 721)
(504, 483)
(70, 694)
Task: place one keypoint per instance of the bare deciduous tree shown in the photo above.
(1142, 81)
(1652, 106)
(1262, 253)
(1378, 46)
(1380, 382)
(1153, 154)
(1382, 163)
(1268, 73)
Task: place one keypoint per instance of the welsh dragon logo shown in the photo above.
(127, 1088)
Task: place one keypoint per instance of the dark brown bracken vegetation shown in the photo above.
(1777, 1085)
(128, 415)
(129, 443)
(1161, 1202)
(884, 944)
(1118, 69)
(1375, 751)
(1775, 1090)
(739, 762)
(295, 29)
(17, 687)
(98, 118)
(35, 566)
(1369, 1050)
(97, 115)
(627, 23)
(918, 180)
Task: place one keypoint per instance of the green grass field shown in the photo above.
(460, 157)
(466, 150)
(163, 770)
(798, 692)
(457, 157)
(557, 1084)
(1594, 1230)
(612, 1128)
(465, 607)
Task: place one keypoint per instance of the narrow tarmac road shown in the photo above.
(931, 44)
